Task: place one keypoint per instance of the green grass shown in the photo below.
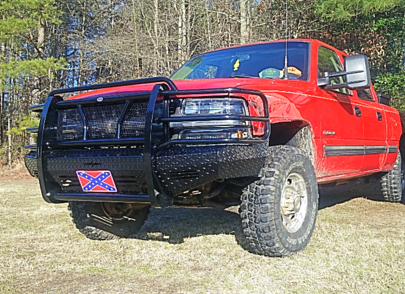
(357, 247)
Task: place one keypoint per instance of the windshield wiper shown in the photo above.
(243, 76)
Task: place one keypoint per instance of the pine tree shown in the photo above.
(23, 58)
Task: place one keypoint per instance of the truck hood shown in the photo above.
(264, 85)
(286, 98)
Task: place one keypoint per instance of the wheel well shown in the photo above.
(402, 142)
(401, 148)
(297, 134)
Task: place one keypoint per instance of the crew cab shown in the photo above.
(258, 125)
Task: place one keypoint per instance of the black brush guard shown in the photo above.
(164, 88)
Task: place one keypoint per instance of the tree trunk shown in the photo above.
(156, 32)
(182, 38)
(138, 71)
(186, 32)
(1, 115)
(41, 36)
(208, 27)
(81, 52)
(2, 51)
(244, 35)
(9, 139)
(35, 93)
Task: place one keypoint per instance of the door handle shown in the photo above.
(379, 116)
(357, 111)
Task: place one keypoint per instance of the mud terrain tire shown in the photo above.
(105, 221)
(279, 210)
(393, 183)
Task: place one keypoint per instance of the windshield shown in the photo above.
(255, 61)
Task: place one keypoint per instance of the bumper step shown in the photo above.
(99, 197)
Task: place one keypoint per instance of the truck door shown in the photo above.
(341, 123)
(375, 122)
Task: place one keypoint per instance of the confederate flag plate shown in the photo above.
(96, 181)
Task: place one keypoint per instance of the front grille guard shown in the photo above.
(164, 88)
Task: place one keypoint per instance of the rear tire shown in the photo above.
(393, 182)
(106, 221)
(279, 210)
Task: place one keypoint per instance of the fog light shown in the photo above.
(212, 135)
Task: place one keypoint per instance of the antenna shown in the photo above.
(286, 42)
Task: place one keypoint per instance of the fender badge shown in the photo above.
(331, 133)
(100, 99)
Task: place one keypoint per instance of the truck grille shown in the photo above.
(102, 122)
(134, 121)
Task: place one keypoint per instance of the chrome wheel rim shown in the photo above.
(294, 202)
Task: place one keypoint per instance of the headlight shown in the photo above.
(206, 107)
(70, 125)
(223, 106)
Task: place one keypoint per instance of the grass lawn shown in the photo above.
(358, 247)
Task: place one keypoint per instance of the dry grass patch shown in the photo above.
(358, 247)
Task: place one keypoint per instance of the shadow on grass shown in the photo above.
(368, 188)
(173, 225)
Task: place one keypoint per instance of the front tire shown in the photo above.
(106, 221)
(393, 182)
(279, 210)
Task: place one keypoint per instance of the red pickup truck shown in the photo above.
(259, 125)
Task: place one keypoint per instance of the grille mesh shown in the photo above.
(102, 122)
(134, 121)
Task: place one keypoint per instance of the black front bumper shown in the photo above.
(143, 168)
(176, 169)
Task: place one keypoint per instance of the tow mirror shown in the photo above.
(357, 73)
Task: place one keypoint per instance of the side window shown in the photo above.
(328, 61)
(365, 94)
